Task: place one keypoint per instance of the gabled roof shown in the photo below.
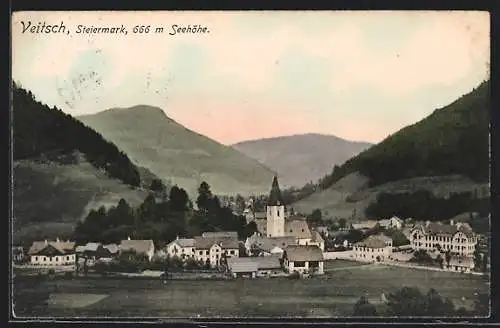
(112, 248)
(183, 242)
(374, 241)
(275, 198)
(268, 243)
(89, 247)
(437, 228)
(62, 247)
(297, 228)
(139, 246)
(316, 237)
(207, 243)
(220, 234)
(252, 264)
(369, 224)
(303, 253)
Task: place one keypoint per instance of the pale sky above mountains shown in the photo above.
(357, 75)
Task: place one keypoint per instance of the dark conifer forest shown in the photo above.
(41, 131)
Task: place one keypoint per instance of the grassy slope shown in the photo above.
(352, 195)
(49, 198)
(300, 159)
(173, 152)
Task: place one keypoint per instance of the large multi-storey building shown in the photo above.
(457, 238)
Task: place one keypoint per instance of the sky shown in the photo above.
(357, 75)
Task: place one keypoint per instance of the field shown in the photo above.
(331, 295)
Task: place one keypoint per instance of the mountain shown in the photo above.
(175, 153)
(446, 152)
(299, 159)
(62, 169)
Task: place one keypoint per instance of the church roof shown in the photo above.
(275, 198)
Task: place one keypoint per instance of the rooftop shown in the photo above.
(304, 253)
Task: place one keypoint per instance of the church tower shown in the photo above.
(275, 212)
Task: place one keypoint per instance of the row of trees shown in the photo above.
(411, 302)
(423, 205)
(43, 131)
(161, 218)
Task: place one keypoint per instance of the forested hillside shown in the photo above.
(44, 132)
(452, 140)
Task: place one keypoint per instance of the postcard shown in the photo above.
(260, 164)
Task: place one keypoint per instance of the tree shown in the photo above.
(240, 203)
(315, 217)
(342, 223)
(204, 197)
(363, 308)
(157, 186)
(447, 257)
(410, 302)
(178, 199)
(477, 259)
(147, 209)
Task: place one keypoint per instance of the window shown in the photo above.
(67, 258)
(36, 258)
(206, 252)
(201, 252)
(299, 264)
(278, 212)
(57, 258)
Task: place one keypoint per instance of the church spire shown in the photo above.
(275, 198)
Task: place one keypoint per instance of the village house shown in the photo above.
(457, 238)
(254, 266)
(392, 223)
(460, 264)
(364, 225)
(375, 248)
(139, 247)
(220, 234)
(52, 253)
(260, 245)
(317, 240)
(213, 251)
(303, 259)
(17, 254)
(183, 248)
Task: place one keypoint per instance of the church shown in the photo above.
(278, 223)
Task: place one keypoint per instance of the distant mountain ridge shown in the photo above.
(175, 153)
(301, 158)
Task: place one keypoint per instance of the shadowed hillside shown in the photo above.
(171, 151)
(300, 159)
(444, 153)
(62, 169)
(452, 140)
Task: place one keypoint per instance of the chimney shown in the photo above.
(427, 223)
(452, 222)
(128, 238)
(57, 239)
(46, 242)
(177, 238)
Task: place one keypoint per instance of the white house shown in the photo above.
(140, 247)
(183, 248)
(254, 266)
(375, 248)
(364, 225)
(392, 223)
(460, 264)
(317, 240)
(457, 238)
(214, 251)
(52, 253)
(263, 245)
(303, 259)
